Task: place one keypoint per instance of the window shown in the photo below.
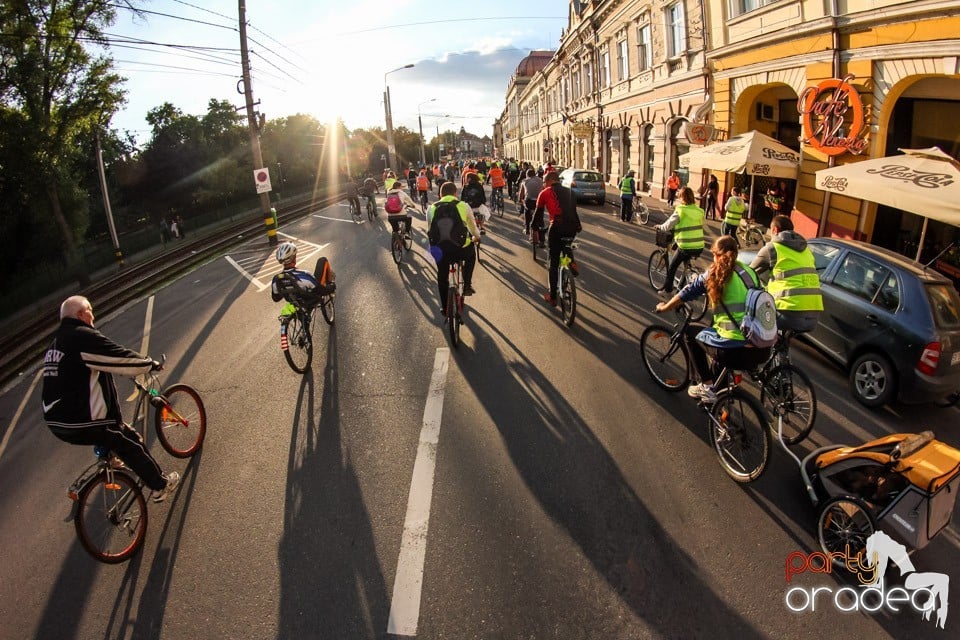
(605, 69)
(823, 256)
(644, 53)
(623, 65)
(740, 7)
(676, 30)
(576, 84)
(649, 153)
(861, 276)
(679, 145)
(587, 78)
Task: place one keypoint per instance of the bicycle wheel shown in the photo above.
(657, 269)
(738, 430)
(641, 211)
(534, 241)
(299, 353)
(407, 239)
(753, 238)
(396, 247)
(181, 423)
(355, 212)
(844, 525)
(453, 317)
(371, 209)
(665, 359)
(568, 297)
(698, 306)
(111, 517)
(788, 387)
(500, 206)
(328, 308)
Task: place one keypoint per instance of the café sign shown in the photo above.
(581, 130)
(833, 117)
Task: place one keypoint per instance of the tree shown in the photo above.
(59, 90)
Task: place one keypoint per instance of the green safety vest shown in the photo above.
(689, 229)
(626, 186)
(735, 300)
(735, 211)
(794, 282)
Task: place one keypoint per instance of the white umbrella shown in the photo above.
(922, 181)
(753, 153)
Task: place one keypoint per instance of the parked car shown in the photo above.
(894, 325)
(585, 184)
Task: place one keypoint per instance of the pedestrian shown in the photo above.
(164, 232)
(628, 190)
(711, 196)
(180, 228)
(174, 229)
(673, 185)
(734, 209)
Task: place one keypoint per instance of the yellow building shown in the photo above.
(901, 63)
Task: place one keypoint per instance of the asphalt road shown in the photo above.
(560, 494)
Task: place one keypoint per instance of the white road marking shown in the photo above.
(259, 285)
(316, 215)
(16, 416)
(405, 604)
(145, 343)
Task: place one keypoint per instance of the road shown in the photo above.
(560, 494)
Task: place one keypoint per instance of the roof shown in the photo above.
(534, 62)
(886, 255)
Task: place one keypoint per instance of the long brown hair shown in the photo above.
(724, 260)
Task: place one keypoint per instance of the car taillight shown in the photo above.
(929, 359)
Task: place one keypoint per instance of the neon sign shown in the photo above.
(833, 118)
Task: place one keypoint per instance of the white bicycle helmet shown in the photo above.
(286, 252)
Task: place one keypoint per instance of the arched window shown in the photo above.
(649, 156)
(679, 145)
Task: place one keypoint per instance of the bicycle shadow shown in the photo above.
(330, 579)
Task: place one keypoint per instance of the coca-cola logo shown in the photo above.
(773, 154)
(924, 179)
(834, 183)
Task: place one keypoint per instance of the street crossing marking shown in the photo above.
(407, 589)
(260, 269)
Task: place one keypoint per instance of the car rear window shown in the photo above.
(945, 304)
(823, 255)
(587, 176)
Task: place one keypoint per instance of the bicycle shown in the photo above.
(497, 201)
(566, 283)
(738, 426)
(400, 240)
(371, 207)
(109, 508)
(538, 235)
(423, 202)
(641, 211)
(355, 210)
(454, 305)
(296, 322)
(785, 389)
(479, 219)
(687, 273)
(750, 234)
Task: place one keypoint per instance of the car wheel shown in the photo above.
(872, 380)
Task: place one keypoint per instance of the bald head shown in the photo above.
(77, 307)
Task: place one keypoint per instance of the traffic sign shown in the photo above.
(261, 178)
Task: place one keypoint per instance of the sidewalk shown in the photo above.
(658, 206)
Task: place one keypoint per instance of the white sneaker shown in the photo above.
(702, 391)
(173, 480)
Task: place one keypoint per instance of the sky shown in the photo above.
(329, 59)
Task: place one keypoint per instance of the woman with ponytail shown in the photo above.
(725, 285)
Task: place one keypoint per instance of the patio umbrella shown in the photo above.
(752, 153)
(922, 181)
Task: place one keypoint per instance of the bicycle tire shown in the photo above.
(698, 306)
(657, 269)
(355, 213)
(641, 211)
(408, 241)
(299, 352)
(568, 297)
(181, 424)
(788, 385)
(666, 360)
(453, 318)
(534, 241)
(843, 526)
(371, 210)
(752, 238)
(111, 519)
(743, 447)
(328, 308)
(396, 247)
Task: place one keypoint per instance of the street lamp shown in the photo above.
(391, 149)
(423, 159)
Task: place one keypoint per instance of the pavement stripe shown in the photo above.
(16, 416)
(145, 343)
(260, 286)
(405, 604)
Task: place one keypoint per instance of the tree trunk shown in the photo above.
(75, 267)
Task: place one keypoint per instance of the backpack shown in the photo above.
(447, 229)
(394, 204)
(759, 324)
(569, 221)
(473, 195)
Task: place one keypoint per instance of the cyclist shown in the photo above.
(353, 194)
(688, 220)
(368, 189)
(794, 282)
(79, 397)
(530, 189)
(474, 195)
(467, 170)
(628, 191)
(733, 213)
(423, 186)
(513, 175)
(496, 180)
(296, 285)
(396, 207)
(725, 285)
(389, 178)
(411, 179)
(448, 198)
(559, 202)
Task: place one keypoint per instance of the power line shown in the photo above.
(277, 68)
(220, 15)
(175, 17)
(426, 22)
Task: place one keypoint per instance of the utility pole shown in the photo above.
(269, 217)
(106, 203)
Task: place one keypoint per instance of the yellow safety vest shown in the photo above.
(735, 300)
(689, 230)
(794, 281)
(735, 209)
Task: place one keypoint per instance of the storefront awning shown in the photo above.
(752, 153)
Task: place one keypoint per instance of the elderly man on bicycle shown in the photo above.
(687, 224)
(80, 401)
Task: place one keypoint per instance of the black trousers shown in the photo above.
(556, 247)
(529, 207)
(123, 441)
(626, 208)
(469, 256)
(678, 256)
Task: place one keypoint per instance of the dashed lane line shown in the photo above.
(405, 604)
